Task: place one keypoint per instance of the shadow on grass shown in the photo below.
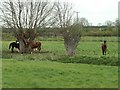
(9, 54)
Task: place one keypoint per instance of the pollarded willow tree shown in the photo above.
(23, 18)
(70, 29)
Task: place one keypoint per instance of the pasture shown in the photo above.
(53, 68)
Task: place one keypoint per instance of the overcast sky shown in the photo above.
(96, 11)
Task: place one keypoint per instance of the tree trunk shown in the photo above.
(21, 46)
(70, 48)
(24, 48)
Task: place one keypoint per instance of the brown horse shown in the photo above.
(34, 45)
(104, 48)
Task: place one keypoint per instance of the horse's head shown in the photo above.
(17, 41)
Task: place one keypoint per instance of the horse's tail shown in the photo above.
(10, 45)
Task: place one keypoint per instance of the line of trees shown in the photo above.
(24, 18)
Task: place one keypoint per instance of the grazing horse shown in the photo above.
(104, 48)
(14, 45)
(34, 45)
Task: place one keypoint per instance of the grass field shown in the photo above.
(53, 68)
(46, 74)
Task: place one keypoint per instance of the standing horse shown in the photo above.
(34, 45)
(14, 45)
(104, 48)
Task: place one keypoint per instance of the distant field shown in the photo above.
(53, 68)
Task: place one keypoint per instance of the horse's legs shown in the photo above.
(12, 49)
(39, 48)
(18, 50)
(105, 52)
(102, 51)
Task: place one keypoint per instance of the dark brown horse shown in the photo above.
(104, 48)
(34, 45)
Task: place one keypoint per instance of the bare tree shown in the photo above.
(99, 24)
(83, 21)
(70, 30)
(109, 24)
(24, 18)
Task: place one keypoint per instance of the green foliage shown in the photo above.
(99, 39)
(54, 34)
(100, 32)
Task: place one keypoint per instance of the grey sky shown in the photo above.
(119, 11)
(96, 11)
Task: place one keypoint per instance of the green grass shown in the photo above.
(0, 64)
(53, 68)
(0, 73)
(86, 52)
(47, 74)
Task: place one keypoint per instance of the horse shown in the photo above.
(104, 48)
(14, 45)
(34, 45)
